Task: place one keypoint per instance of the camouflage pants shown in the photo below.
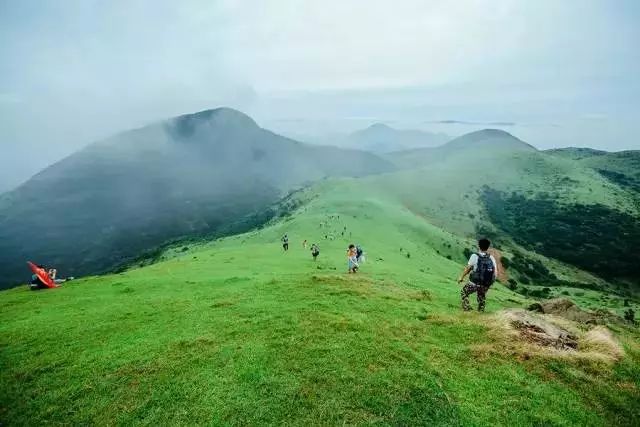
(481, 294)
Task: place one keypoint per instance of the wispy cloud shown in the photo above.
(472, 123)
(595, 116)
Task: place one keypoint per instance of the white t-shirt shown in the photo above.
(473, 261)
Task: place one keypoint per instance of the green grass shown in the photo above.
(446, 192)
(593, 300)
(237, 332)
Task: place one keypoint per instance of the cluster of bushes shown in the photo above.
(536, 292)
(531, 270)
(630, 316)
(620, 179)
(234, 224)
(286, 206)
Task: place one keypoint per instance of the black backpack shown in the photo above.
(484, 273)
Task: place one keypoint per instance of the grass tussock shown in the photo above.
(526, 335)
(600, 342)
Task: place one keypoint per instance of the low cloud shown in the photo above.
(472, 123)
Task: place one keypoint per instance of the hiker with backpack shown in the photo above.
(359, 254)
(315, 251)
(484, 270)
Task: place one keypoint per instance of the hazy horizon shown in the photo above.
(554, 74)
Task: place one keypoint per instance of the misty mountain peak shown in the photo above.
(491, 136)
(382, 138)
(489, 133)
(379, 130)
(218, 118)
(379, 126)
(226, 115)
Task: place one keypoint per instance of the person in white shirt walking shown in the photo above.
(484, 271)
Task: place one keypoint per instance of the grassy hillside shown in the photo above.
(210, 173)
(238, 332)
(482, 144)
(491, 183)
(621, 168)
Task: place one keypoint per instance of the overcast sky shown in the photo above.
(555, 73)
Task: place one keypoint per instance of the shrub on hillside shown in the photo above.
(630, 316)
(506, 262)
(539, 293)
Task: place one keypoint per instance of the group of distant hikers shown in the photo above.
(481, 268)
(355, 253)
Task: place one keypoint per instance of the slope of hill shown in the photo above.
(236, 331)
(214, 172)
(545, 203)
(380, 138)
(621, 168)
(576, 153)
(483, 144)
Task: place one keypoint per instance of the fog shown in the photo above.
(552, 73)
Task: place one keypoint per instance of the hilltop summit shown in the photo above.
(218, 119)
(382, 138)
(485, 143)
(494, 137)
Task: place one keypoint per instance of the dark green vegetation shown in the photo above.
(621, 168)
(256, 220)
(211, 173)
(621, 179)
(593, 237)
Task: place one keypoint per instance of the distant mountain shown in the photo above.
(489, 138)
(214, 172)
(480, 144)
(380, 138)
